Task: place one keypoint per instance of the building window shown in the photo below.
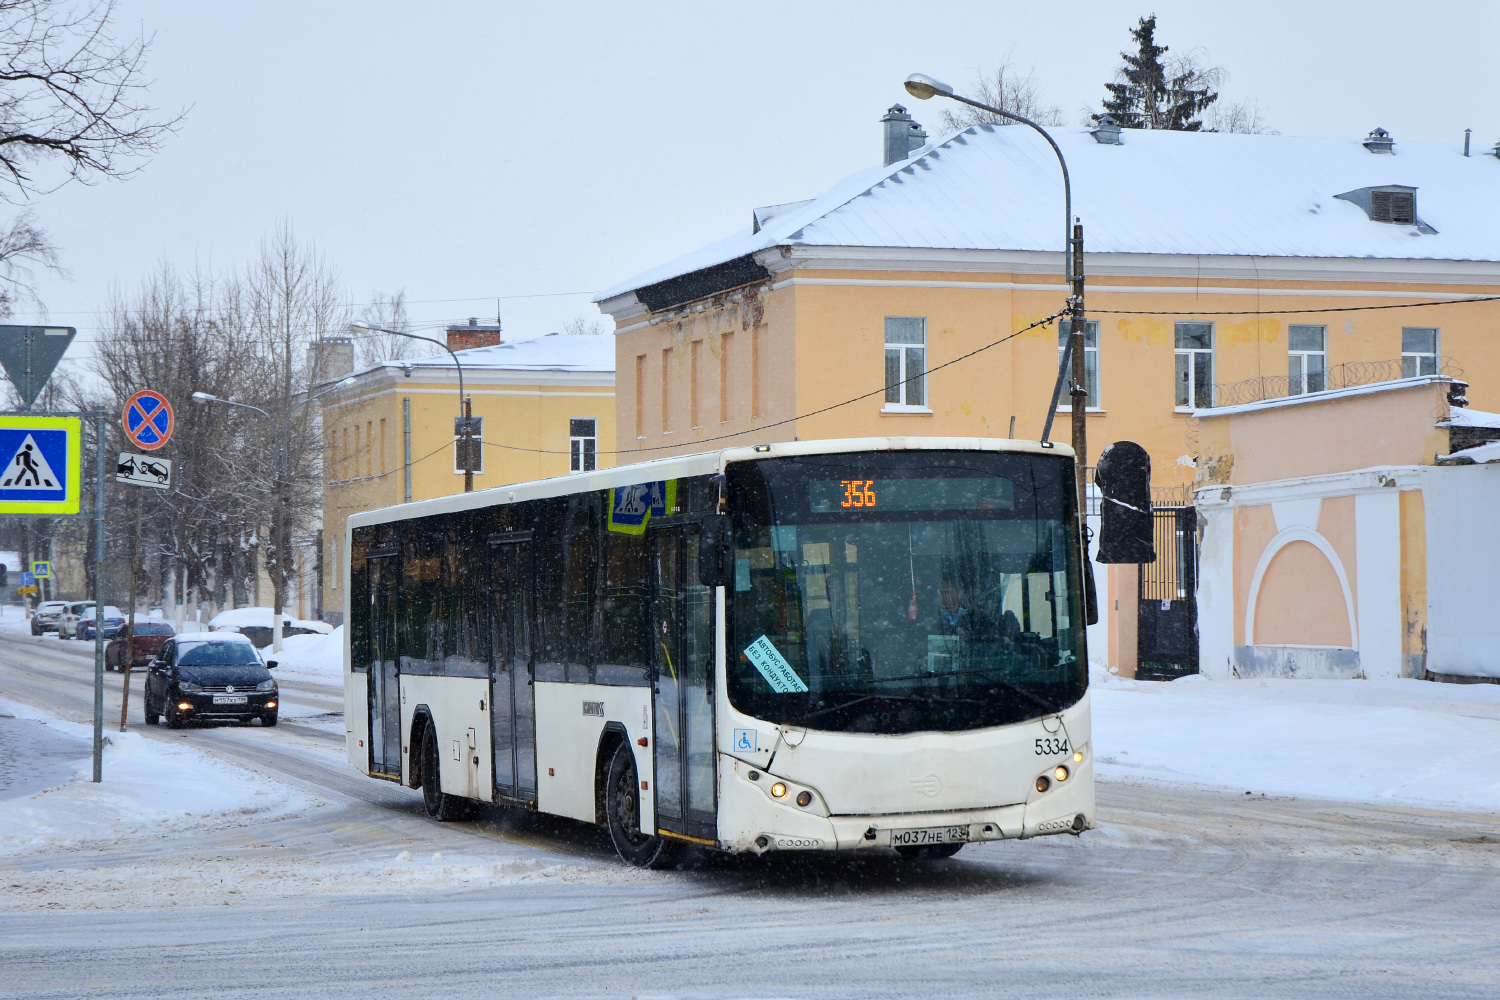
(755, 335)
(1419, 350)
(1307, 359)
(383, 456)
(666, 381)
(905, 362)
(1195, 365)
(640, 396)
(583, 444)
(478, 453)
(333, 565)
(695, 376)
(1090, 363)
(725, 342)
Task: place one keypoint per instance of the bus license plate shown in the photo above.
(230, 699)
(932, 835)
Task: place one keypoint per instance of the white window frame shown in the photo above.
(1414, 369)
(1196, 358)
(902, 348)
(1304, 367)
(1090, 366)
(479, 439)
(579, 453)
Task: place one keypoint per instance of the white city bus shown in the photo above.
(828, 645)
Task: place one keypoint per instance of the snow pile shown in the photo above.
(149, 787)
(1403, 742)
(240, 617)
(318, 658)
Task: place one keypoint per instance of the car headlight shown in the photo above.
(266, 686)
(189, 687)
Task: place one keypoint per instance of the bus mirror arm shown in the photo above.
(715, 552)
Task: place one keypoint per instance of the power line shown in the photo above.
(811, 413)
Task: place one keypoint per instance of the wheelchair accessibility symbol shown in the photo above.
(746, 740)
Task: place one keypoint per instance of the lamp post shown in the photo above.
(924, 88)
(465, 420)
(282, 446)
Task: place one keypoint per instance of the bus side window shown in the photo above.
(624, 655)
(547, 552)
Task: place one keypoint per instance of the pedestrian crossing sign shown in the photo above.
(43, 467)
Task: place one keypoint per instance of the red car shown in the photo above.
(149, 639)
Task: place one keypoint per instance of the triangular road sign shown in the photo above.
(29, 353)
(28, 470)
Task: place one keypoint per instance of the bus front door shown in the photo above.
(385, 670)
(512, 697)
(683, 626)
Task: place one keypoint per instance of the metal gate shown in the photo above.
(1167, 636)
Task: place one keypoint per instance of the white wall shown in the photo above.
(1215, 585)
(1463, 569)
(1377, 558)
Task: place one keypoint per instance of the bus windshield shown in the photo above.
(896, 592)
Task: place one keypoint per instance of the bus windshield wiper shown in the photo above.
(925, 699)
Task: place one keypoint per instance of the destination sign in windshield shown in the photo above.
(832, 496)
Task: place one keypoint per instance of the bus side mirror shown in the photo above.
(715, 552)
(1126, 531)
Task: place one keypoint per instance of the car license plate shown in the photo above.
(931, 835)
(230, 699)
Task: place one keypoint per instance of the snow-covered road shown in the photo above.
(1184, 891)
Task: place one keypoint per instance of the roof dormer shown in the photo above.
(1395, 204)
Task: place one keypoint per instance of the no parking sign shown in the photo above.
(148, 419)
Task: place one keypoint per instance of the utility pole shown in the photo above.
(135, 582)
(1079, 392)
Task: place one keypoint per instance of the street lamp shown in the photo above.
(465, 420)
(923, 88)
(282, 446)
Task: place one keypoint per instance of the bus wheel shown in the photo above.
(440, 806)
(930, 852)
(622, 814)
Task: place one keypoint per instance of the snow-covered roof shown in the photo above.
(1477, 455)
(554, 352)
(1159, 192)
(1458, 417)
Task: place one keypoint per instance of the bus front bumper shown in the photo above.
(752, 820)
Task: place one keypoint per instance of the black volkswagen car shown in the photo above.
(210, 676)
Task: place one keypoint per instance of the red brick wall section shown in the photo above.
(462, 340)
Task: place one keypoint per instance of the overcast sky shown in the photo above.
(540, 152)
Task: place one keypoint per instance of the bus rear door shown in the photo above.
(512, 696)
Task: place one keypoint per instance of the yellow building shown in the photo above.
(543, 406)
(1221, 270)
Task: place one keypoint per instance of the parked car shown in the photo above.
(209, 676)
(67, 624)
(150, 637)
(83, 624)
(261, 634)
(47, 616)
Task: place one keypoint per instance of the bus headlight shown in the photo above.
(1043, 783)
(1061, 774)
(778, 789)
(1078, 756)
(804, 799)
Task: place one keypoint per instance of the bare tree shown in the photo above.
(289, 298)
(1240, 116)
(72, 108)
(1008, 89)
(387, 312)
(586, 326)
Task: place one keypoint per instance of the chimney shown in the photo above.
(330, 358)
(1379, 141)
(462, 337)
(1107, 131)
(902, 135)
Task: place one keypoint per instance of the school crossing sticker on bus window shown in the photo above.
(766, 658)
(632, 507)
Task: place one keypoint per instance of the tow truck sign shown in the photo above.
(144, 470)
